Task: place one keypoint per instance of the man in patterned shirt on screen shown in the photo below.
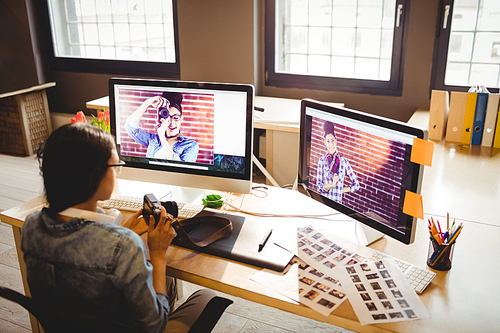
(333, 167)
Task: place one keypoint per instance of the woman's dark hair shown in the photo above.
(175, 99)
(73, 161)
(329, 128)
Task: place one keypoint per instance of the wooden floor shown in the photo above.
(20, 181)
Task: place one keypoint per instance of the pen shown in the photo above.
(264, 240)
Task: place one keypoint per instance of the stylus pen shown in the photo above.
(264, 240)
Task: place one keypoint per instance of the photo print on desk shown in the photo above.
(305, 284)
(380, 293)
(328, 251)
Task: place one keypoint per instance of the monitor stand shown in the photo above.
(182, 194)
(366, 235)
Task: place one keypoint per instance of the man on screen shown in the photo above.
(333, 167)
(168, 142)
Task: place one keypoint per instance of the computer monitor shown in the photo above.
(359, 164)
(205, 139)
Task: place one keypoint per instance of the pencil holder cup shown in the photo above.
(440, 257)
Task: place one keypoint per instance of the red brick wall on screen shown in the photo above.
(197, 124)
(377, 163)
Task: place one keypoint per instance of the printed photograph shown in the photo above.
(371, 306)
(410, 314)
(317, 247)
(336, 293)
(395, 315)
(308, 230)
(326, 242)
(350, 270)
(351, 262)
(312, 294)
(355, 278)
(365, 296)
(385, 274)
(365, 267)
(372, 276)
(380, 264)
(300, 244)
(328, 252)
(329, 264)
(321, 287)
(339, 258)
(346, 252)
(308, 252)
(319, 257)
(326, 303)
(328, 278)
(336, 247)
(397, 293)
(317, 236)
(303, 266)
(360, 287)
(381, 295)
(314, 271)
(390, 283)
(381, 316)
(358, 257)
(403, 303)
(306, 280)
(387, 305)
(375, 285)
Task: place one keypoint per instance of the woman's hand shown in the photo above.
(160, 237)
(136, 223)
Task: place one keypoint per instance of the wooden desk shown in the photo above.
(463, 299)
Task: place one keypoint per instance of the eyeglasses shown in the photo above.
(118, 167)
(175, 117)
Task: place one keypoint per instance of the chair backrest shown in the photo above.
(55, 319)
(210, 315)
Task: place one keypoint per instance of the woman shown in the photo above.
(333, 167)
(89, 265)
(168, 143)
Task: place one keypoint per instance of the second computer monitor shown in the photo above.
(359, 164)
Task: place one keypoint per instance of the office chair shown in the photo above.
(61, 320)
(58, 320)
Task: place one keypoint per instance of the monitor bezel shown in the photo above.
(213, 178)
(409, 234)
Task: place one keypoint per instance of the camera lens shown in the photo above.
(163, 112)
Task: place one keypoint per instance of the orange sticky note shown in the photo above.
(421, 152)
(413, 205)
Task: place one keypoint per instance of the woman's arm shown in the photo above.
(159, 240)
(152, 101)
(166, 149)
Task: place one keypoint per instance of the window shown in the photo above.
(467, 50)
(130, 37)
(354, 45)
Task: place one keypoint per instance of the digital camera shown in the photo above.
(152, 206)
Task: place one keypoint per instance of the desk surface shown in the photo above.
(457, 300)
(462, 180)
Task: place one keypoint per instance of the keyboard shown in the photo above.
(418, 277)
(133, 204)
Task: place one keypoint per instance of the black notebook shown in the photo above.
(242, 244)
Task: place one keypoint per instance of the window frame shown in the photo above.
(440, 56)
(393, 87)
(107, 66)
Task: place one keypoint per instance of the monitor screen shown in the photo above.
(189, 134)
(359, 164)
